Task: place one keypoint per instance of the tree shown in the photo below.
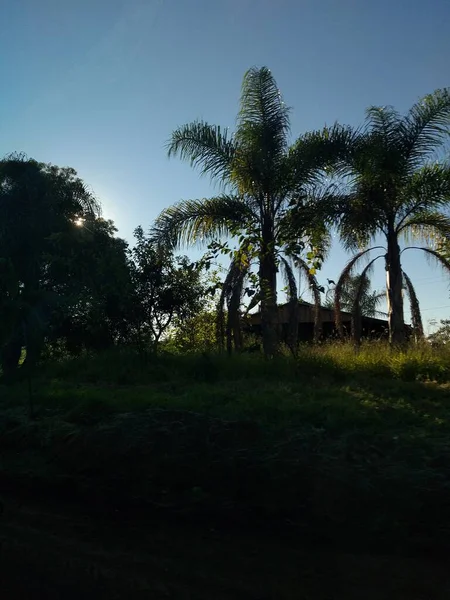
(441, 336)
(199, 332)
(394, 190)
(196, 333)
(166, 290)
(37, 201)
(261, 176)
(357, 288)
(88, 271)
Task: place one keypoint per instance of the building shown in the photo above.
(370, 326)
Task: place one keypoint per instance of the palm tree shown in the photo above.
(261, 176)
(357, 288)
(354, 296)
(393, 189)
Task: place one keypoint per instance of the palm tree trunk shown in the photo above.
(394, 292)
(268, 286)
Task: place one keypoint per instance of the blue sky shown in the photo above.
(100, 84)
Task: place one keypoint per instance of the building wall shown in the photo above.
(371, 328)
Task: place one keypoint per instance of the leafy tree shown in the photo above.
(442, 335)
(262, 175)
(393, 188)
(167, 290)
(37, 201)
(88, 270)
(196, 333)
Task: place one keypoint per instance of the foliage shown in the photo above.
(262, 176)
(353, 294)
(88, 270)
(195, 334)
(167, 290)
(37, 202)
(442, 335)
(392, 188)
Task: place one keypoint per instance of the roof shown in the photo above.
(307, 310)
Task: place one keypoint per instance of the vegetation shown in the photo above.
(263, 176)
(355, 293)
(39, 205)
(442, 335)
(119, 407)
(395, 190)
(165, 290)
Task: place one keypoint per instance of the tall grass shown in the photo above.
(340, 443)
(417, 362)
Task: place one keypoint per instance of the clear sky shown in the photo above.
(99, 85)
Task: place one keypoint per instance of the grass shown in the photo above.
(341, 450)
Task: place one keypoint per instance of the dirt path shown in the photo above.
(47, 554)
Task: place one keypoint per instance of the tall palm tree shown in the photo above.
(394, 189)
(261, 177)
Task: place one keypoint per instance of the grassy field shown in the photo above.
(314, 461)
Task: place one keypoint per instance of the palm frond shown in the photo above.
(426, 126)
(262, 106)
(434, 255)
(369, 301)
(231, 297)
(305, 270)
(383, 121)
(292, 290)
(309, 218)
(378, 297)
(426, 190)
(359, 218)
(206, 147)
(234, 318)
(254, 301)
(224, 298)
(289, 279)
(416, 316)
(344, 280)
(262, 134)
(430, 227)
(320, 153)
(192, 221)
(362, 287)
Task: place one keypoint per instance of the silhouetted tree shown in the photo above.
(166, 290)
(393, 188)
(262, 175)
(37, 202)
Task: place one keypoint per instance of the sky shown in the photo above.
(99, 85)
